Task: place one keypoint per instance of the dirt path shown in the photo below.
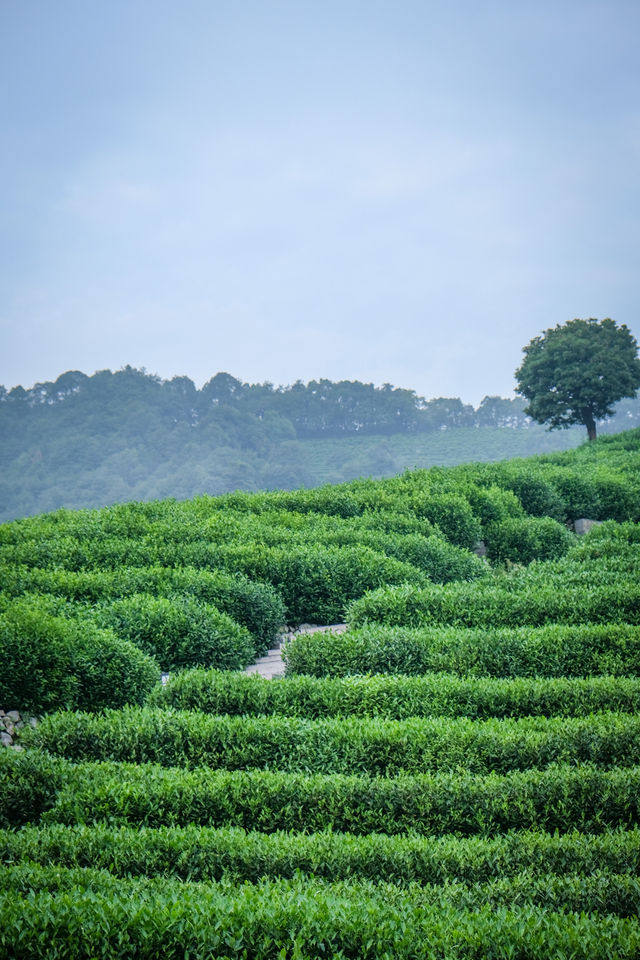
(272, 665)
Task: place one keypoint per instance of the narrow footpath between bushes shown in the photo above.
(272, 665)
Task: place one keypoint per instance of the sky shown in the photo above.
(394, 192)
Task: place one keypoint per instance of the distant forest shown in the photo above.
(86, 441)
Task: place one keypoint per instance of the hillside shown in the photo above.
(456, 775)
(113, 437)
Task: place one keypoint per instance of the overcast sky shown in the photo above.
(402, 192)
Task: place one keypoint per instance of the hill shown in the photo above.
(457, 774)
(89, 441)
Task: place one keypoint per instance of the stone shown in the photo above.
(5, 739)
(583, 525)
(33, 721)
(13, 715)
(9, 727)
(480, 548)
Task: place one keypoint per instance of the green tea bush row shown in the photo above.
(94, 915)
(49, 662)
(440, 560)
(255, 606)
(553, 650)
(395, 696)
(179, 632)
(600, 893)
(488, 604)
(562, 798)
(374, 747)
(317, 583)
(208, 854)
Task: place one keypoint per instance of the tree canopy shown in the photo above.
(575, 372)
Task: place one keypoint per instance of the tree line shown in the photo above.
(129, 435)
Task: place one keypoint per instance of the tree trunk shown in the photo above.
(590, 424)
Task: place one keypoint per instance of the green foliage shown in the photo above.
(563, 798)
(211, 854)
(523, 539)
(553, 650)
(396, 697)
(574, 373)
(179, 633)
(451, 513)
(371, 746)
(493, 604)
(56, 914)
(49, 661)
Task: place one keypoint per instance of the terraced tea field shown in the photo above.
(457, 775)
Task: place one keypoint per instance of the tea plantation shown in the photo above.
(455, 776)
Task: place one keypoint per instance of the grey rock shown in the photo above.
(480, 548)
(6, 739)
(9, 727)
(13, 715)
(583, 525)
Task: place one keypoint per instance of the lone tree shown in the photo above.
(574, 373)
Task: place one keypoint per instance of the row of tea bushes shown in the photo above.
(493, 604)
(255, 606)
(209, 854)
(615, 894)
(553, 650)
(315, 582)
(564, 797)
(394, 696)
(375, 747)
(275, 920)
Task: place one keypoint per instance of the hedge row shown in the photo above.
(554, 650)
(396, 697)
(315, 582)
(207, 854)
(94, 915)
(179, 632)
(598, 894)
(49, 662)
(374, 747)
(255, 606)
(563, 798)
(492, 605)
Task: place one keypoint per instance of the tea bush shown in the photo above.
(553, 650)
(89, 913)
(395, 696)
(179, 633)
(375, 747)
(210, 854)
(50, 661)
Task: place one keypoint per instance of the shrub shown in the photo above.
(562, 798)
(372, 746)
(395, 696)
(539, 497)
(49, 662)
(93, 914)
(211, 854)
(179, 633)
(523, 539)
(490, 604)
(451, 513)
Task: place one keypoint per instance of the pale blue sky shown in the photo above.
(400, 192)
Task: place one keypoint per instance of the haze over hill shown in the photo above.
(85, 441)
